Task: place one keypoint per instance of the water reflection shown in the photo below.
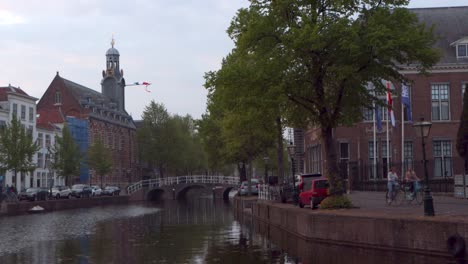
(202, 231)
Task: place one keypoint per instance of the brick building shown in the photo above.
(437, 98)
(92, 115)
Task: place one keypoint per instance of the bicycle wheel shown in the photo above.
(399, 197)
(419, 197)
(388, 199)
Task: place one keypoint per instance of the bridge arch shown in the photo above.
(155, 195)
(226, 193)
(182, 192)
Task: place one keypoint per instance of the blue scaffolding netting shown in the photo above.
(79, 131)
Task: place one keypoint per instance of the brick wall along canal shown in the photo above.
(203, 231)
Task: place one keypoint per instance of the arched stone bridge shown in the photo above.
(177, 187)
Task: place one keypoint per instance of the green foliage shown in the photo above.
(65, 155)
(462, 135)
(170, 143)
(321, 56)
(100, 159)
(17, 148)
(336, 202)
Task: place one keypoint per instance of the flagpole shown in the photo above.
(375, 145)
(402, 139)
(388, 145)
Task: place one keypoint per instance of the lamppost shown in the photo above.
(422, 129)
(266, 158)
(292, 152)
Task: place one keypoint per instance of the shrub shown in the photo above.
(334, 202)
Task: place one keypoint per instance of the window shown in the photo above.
(314, 159)
(15, 110)
(40, 160)
(408, 155)
(344, 159)
(2, 124)
(47, 140)
(440, 101)
(372, 160)
(40, 139)
(367, 114)
(442, 152)
(23, 112)
(462, 51)
(58, 97)
(30, 131)
(47, 161)
(31, 114)
(386, 159)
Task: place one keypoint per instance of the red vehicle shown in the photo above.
(313, 192)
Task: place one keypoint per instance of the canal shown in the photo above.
(201, 231)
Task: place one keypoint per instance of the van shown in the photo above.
(314, 192)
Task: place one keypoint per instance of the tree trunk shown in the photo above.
(249, 175)
(280, 150)
(242, 172)
(331, 165)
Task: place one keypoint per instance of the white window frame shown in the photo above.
(439, 100)
(466, 50)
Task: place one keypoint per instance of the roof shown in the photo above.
(4, 91)
(112, 51)
(449, 26)
(47, 126)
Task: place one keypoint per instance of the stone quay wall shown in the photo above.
(422, 235)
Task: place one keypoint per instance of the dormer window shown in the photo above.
(462, 51)
(58, 97)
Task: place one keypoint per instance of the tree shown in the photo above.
(17, 148)
(65, 155)
(329, 52)
(462, 135)
(99, 159)
(152, 137)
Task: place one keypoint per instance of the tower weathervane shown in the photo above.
(113, 41)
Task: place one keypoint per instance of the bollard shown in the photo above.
(173, 194)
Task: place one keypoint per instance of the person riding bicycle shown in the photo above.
(412, 180)
(392, 179)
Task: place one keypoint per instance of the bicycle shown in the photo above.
(395, 197)
(410, 195)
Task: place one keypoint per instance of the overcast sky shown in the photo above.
(170, 43)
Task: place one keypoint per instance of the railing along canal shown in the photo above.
(203, 179)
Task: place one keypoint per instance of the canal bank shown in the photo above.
(10, 209)
(359, 227)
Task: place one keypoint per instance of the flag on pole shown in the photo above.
(405, 100)
(390, 104)
(143, 83)
(378, 118)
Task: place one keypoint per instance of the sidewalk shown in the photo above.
(444, 206)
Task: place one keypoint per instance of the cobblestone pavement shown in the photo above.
(444, 206)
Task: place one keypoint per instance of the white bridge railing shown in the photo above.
(268, 193)
(153, 183)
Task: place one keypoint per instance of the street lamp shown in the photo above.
(266, 158)
(422, 129)
(292, 152)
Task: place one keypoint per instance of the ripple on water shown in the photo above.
(26, 230)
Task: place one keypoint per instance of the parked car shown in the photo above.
(300, 181)
(81, 190)
(111, 190)
(58, 192)
(34, 194)
(96, 190)
(243, 188)
(314, 192)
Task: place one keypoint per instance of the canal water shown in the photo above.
(201, 231)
